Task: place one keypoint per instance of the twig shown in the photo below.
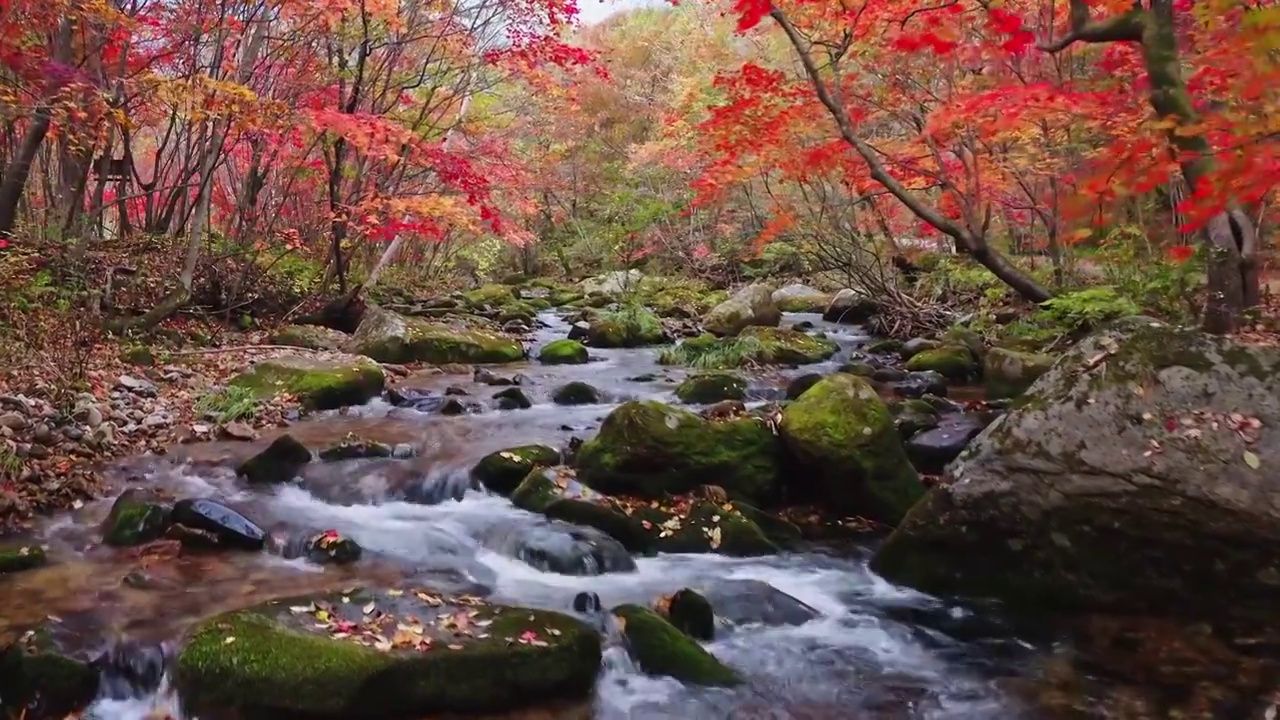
(211, 351)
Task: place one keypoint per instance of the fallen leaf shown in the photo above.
(1252, 460)
(230, 639)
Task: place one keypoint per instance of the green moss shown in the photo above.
(628, 327)
(706, 388)
(564, 298)
(954, 362)
(789, 347)
(805, 304)
(753, 346)
(563, 352)
(501, 472)
(519, 310)
(318, 384)
(494, 295)
(651, 450)
(16, 557)
(391, 338)
(36, 672)
(278, 664)
(844, 438)
(135, 519)
(660, 649)
(885, 347)
(556, 493)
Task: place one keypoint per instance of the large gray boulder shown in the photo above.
(1141, 474)
(752, 305)
(851, 306)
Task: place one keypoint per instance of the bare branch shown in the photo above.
(1117, 28)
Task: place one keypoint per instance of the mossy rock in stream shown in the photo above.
(319, 384)
(563, 352)
(318, 657)
(312, 337)
(652, 450)
(575, 392)
(690, 613)
(16, 557)
(556, 493)
(631, 326)
(388, 337)
(492, 295)
(41, 676)
(502, 471)
(137, 517)
(661, 649)
(954, 362)
(711, 387)
(845, 442)
(755, 345)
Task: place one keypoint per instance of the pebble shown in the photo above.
(14, 421)
(43, 434)
(239, 431)
(93, 417)
(72, 433)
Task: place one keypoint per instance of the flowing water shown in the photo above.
(874, 651)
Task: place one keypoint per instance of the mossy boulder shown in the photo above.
(690, 613)
(575, 393)
(629, 327)
(354, 447)
(661, 649)
(16, 557)
(1008, 373)
(1134, 474)
(137, 517)
(556, 493)
(491, 295)
(954, 362)
(799, 298)
(502, 471)
(318, 383)
(652, 450)
(712, 387)
(388, 337)
(563, 352)
(398, 653)
(752, 305)
(313, 337)
(844, 439)
(44, 675)
(778, 346)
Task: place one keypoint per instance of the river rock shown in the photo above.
(919, 384)
(388, 337)
(16, 557)
(354, 447)
(129, 670)
(915, 346)
(14, 421)
(563, 352)
(226, 527)
(580, 330)
(318, 383)
(312, 337)
(851, 306)
(800, 298)
(1008, 373)
(801, 384)
(913, 416)
(44, 673)
(575, 393)
(653, 450)
(512, 398)
(278, 463)
(755, 602)
(848, 450)
(611, 283)
(930, 450)
(1134, 475)
(954, 362)
(312, 656)
(501, 472)
(711, 387)
(661, 649)
(752, 305)
(137, 386)
(322, 548)
(137, 517)
(690, 613)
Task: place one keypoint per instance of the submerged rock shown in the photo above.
(513, 398)
(575, 393)
(388, 337)
(501, 472)
(560, 548)
(129, 670)
(313, 656)
(322, 548)
(752, 305)
(319, 384)
(845, 442)
(137, 517)
(755, 602)
(661, 649)
(1136, 473)
(278, 463)
(652, 450)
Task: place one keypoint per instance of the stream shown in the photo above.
(874, 651)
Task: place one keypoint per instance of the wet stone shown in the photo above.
(353, 447)
(512, 399)
(931, 450)
(278, 463)
(223, 526)
(131, 670)
(138, 516)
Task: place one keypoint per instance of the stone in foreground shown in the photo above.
(386, 654)
(318, 383)
(661, 649)
(1137, 475)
